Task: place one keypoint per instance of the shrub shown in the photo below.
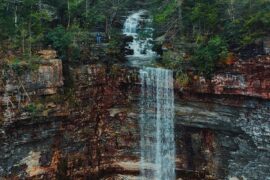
(60, 40)
(207, 56)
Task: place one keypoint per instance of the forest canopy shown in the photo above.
(209, 29)
(29, 25)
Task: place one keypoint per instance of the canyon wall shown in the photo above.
(87, 128)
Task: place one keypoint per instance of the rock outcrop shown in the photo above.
(81, 131)
(247, 78)
(88, 129)
(224, 136)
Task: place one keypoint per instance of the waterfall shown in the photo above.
(157, 147)
(138, 26)
(156, 124)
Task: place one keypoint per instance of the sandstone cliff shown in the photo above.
(89, 130)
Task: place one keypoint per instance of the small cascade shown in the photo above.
(157, 125)
(139, 28)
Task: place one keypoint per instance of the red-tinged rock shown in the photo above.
(248, 78)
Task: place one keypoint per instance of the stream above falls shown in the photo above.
(138, 25)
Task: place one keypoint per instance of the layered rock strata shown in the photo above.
(88, 129)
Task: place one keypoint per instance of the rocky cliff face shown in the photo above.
(225, 122)
(224, 136)
(49, 131)
(89, 130)
(248, 78)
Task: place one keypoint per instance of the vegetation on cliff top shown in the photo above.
(27, 26)
(203, 31)
(207, 30)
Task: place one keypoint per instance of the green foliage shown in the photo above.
(207, 56)
(65, 41)
(115, 43)
(99, 18)
(167, 11)
(176, 61)
(6, 26)
(26, 26)
(19, 67)
(240, 22)
(31, 108)
(173, 60)
(208, 29)
(205, 16)
(60, 39)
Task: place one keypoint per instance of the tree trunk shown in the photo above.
(23, 43)
(180, 15)
(86, 8)
(39, 5)
(15, 16)
(30, 34)
(68, 6)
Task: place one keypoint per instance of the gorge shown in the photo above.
(101, 119)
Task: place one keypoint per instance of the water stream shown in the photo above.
(157, 146)
(138, 26)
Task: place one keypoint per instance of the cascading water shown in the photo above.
(138, 27)
(157, 146)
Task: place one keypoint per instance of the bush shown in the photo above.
(60, 40)
(207, 56)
